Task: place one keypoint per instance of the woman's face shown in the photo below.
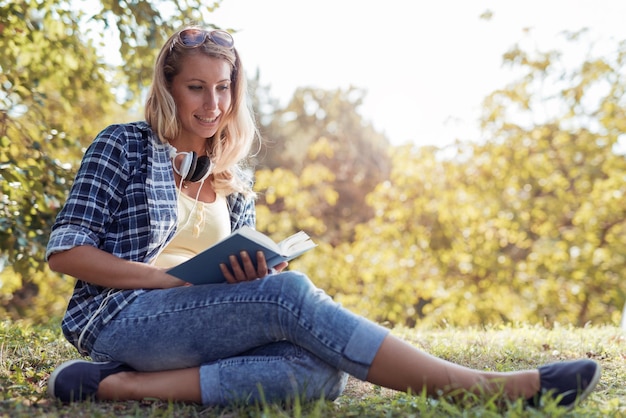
(202, 94)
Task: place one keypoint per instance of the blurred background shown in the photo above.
(458, 163)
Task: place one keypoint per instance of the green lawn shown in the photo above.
(28, 354)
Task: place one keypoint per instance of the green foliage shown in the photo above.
(525, 225)
(319, 132)
(41, 297)
(505, 235)
(30, 354)
(56, 93)
(49, 79)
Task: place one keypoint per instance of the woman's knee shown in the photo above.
(295, 279)
(293, 285)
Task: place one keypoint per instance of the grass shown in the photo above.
(28, 354)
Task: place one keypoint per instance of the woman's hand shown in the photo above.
(245, 271)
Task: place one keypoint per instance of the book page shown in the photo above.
(299, 241)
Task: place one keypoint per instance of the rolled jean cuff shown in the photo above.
(210, 384)
(362, 348)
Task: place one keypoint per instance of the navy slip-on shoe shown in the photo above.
(78, 380)
(570, 382)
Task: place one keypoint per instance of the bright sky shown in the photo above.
(426, 65)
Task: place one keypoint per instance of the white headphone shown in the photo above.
(192, 168)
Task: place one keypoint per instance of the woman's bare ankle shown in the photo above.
(524, 384)
(116, 387)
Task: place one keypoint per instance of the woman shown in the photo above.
(150, 195)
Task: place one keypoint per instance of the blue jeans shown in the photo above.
(270, 339)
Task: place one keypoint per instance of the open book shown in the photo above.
(204, 268)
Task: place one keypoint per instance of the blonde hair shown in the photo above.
(232, 143)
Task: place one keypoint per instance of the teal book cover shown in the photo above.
(204, 268)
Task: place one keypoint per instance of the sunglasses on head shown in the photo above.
(191, 38)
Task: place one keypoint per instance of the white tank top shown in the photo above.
(200, 225)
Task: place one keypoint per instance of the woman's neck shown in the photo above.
(200, 147)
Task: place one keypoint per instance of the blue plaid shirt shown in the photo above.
(123, 201)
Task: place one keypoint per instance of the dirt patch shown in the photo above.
(359, 389)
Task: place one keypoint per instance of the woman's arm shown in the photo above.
(98, 267)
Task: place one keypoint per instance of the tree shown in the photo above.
(323, 129)
(570, 189)
(50, 79)
(527, 225)
(56, 92)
